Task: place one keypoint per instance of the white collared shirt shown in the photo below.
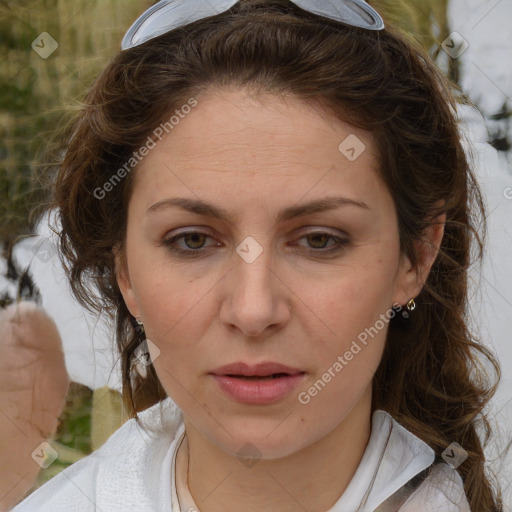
(135, 470)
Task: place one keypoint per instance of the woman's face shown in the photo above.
(261, 236)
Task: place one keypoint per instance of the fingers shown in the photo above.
(33, 327)
(18, 309)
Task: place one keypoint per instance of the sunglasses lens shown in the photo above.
(352, 12)
(169, 14)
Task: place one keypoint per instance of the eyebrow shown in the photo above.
(289, 213)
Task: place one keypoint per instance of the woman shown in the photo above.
(274, 193)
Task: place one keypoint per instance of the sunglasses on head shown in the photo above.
(167, 15)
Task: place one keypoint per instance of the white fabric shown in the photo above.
(134, 470)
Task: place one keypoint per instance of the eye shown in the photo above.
(191, 243)
(318, 240)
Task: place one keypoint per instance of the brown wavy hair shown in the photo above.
(432, 378)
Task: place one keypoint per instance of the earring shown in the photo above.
(411, 306)
(139, 329)
(141, 350)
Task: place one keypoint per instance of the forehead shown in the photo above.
(233, 143)
(259, 121)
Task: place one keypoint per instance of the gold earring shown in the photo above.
(411, 305)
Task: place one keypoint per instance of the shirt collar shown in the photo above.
(392, 457)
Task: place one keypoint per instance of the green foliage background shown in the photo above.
(36, 93)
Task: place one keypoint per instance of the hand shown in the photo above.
(33, 388)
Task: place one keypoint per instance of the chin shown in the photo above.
(267, 439)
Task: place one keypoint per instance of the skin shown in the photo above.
(253, 156)
(33, 387)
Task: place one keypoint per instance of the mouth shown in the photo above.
(266, 369)
(259, 384)
(260, 377)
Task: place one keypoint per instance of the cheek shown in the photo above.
(347, 356)
(173, 318)
(354, 311)
(167, 294)
(352, 345)
(177, 310)
(355, 298)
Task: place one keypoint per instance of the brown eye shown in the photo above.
(319, 240)
(322, 243)
(194, 240)
(191, 244)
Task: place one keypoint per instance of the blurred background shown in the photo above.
(52, 50)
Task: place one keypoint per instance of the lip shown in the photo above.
(257, 370)
(235, 381)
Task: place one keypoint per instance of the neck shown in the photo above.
(312, 479)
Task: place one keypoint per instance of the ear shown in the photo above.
(411, 279)
(124, 281)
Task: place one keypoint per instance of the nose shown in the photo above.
(256, 300)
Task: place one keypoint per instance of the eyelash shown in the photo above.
(339, 245)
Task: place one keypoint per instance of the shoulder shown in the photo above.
(442, 491)
(124, 474)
